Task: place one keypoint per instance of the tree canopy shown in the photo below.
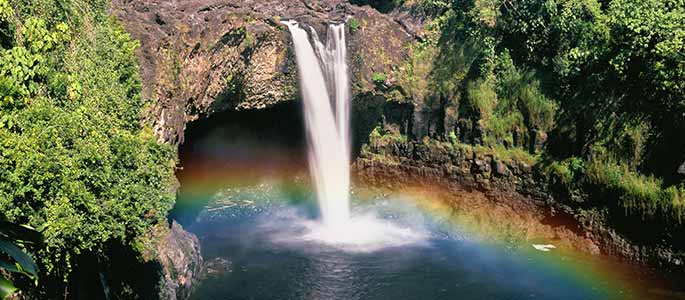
(76, 161)
(594, 88)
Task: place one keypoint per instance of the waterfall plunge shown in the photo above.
(327, 117)
(324, 85)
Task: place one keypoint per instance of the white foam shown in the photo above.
(364, 233)
(544, 248)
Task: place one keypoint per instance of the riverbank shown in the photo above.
(517, 182)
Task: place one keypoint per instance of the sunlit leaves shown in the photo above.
(652, 32)
(6, 287)
(75, 159)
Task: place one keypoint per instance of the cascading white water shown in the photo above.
(327, 117)
(324, 85)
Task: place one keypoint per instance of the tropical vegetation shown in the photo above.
(599, 83)
(76, 161)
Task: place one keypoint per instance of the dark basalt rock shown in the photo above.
(500, 168)
(511, 182)
(199, 57)
(539, 141)
(480, 167)
(167, 268)
(179, 255)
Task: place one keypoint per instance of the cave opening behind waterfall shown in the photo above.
(234, 148)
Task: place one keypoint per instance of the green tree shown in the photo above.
(76, 161)
(602, 79)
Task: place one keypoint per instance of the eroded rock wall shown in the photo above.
(392, 161)
(199, 57)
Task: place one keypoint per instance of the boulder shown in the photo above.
(500, 168)
(480, 166)
(166, 265)
(178, 252)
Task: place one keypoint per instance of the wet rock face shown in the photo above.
(411, 162)
(181, 263)
(166, 267)
(391, 162)
(199, 56)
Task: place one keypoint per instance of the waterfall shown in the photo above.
(325, 89)
(324, 85)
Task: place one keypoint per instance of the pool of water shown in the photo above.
(269, 245)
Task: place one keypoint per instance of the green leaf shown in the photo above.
(20, 233)
(6, 287)
(26, 262)
(8, 266)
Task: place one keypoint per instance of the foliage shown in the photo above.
(429, 7)
(6, 27)
(582, 74)
(521, 91)
(568, 172)
(76, 162)
(379, 78)
(503, 153)
(481, 96)
(622, 64)
(637, 193)
(12, 258)
(511, 105)
(385, 138)
(453, 137)
(353, 24)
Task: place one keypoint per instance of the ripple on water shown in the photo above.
(390, 250)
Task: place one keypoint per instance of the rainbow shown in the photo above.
(495, 225)
(473, 214)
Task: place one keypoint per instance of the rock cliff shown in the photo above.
(179, 255)
(199, 57)
(391, 160)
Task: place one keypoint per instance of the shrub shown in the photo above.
(379, 78)
(482, 98)
(568, 172)
(353, 24)
(637, 193)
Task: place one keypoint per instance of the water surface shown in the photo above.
(258, 244)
